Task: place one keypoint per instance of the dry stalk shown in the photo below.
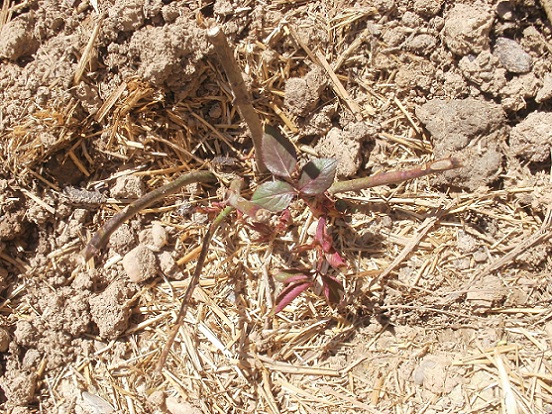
(191, 286)
(241, 94)
(393, 177)
(339, 88)
(102, 235)
(6, 13)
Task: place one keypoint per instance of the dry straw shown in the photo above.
(406, 294)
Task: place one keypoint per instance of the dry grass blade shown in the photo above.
(87, 52)
(543, 234)
(424, 228)
(5, 13)
(339, 88)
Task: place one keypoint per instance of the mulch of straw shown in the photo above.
(413, 335)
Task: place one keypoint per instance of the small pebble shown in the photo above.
(155, 238)
(511, 56)
(480, 257)
(505, 10)
(140, 264)
(157, 399)
(174, 406)
(167, 264)
(159, 235)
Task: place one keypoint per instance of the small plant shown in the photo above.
(309, 183)
(312, 183)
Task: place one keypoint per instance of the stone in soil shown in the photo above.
(140, 264)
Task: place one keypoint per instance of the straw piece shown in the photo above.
(297, 370)
(18, 263)
(361, 38)
(338, 88)
(354, 402)
(407, 115)
(79, 164)
(6, 13)
(193, 282)
(291, 30)
(543, 234)
(188, 257)
(266, 389)
(37, 200)
(110, 101)
(87, 52)
(508, 398)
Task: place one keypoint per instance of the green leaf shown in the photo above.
(278, 153)
(274, 196)
(292, 276)
(317, 176)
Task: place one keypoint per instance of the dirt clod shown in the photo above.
(154, 238)
(128, 187)
(345, 145)
(467, 28)
(174, 406)
(110, 309)
(20, 390)
(123, 239)
(470, 130)
(17, 39)
(531, 139)
(4, 340)
(302, 94)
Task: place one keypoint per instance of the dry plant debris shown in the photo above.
(448, 291)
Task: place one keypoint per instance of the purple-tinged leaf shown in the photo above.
(278, 153)
(321, 236)
(288, 294)
(333, 289)
(283, 222)
(335, 260)
(317, 176)
(274, 196)
(324, 240)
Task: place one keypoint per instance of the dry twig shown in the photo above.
(241, 95)
(102, 235)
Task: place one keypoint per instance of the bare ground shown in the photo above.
(447, 302)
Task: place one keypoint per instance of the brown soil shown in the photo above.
(447, 290)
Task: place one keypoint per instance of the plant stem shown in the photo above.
(241, 94)
(394, 177)
(99, 240)
(193, 282)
